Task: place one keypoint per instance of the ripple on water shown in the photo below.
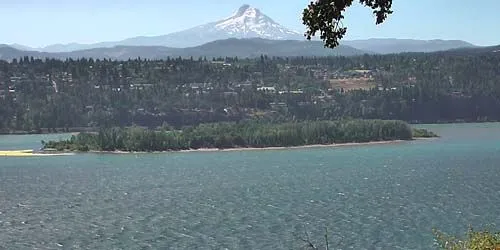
(367, 198)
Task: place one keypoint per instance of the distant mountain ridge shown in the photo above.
(250, 22)
(243, 48)
(246, 22)
(392, 45)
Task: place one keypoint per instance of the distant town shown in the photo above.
(49, 94)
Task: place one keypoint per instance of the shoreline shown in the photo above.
(349, 144)
(31, 153)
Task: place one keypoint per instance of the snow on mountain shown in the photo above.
(246, 22)
(250, 22)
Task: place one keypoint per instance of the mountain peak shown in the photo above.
(249, 22)
(248, 13)
(245, 22)
(243, 9)
(247, 10)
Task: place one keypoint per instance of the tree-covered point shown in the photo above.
(423, 133)
(236, 135)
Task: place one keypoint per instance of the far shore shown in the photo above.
(251, 148)
(45, 131)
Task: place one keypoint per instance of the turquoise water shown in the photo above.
(21, 142)
(370, 197)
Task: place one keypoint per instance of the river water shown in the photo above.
(369, 197)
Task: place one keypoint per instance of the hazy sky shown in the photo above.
(42, 22)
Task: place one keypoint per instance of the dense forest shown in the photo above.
(236, 135)
(44, 95)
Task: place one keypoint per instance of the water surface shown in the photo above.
(370, 197)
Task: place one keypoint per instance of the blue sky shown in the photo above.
(42, 22)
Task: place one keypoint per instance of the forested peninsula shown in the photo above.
(227, 135)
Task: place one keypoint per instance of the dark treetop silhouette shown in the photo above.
(325, 17)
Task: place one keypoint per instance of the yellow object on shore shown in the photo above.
(17, 153)
(26, 153)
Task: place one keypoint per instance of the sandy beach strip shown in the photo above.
(292, 147)
(29, 153)
(252, 148)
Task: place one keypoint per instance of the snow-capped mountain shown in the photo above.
(246, 22)
(250, 22)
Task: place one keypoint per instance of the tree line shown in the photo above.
(255, 134)
(52, 94)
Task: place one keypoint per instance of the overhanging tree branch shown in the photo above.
(325, 16)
